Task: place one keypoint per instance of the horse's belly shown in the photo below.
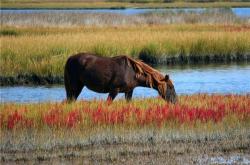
(105, 83)
(98, 89)
(106, 89)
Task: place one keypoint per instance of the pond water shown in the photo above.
(223, 79)
(240, 12)
(235, 159)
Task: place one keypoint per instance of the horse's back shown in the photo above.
(94, 70)
(88, 60)
(81, 59)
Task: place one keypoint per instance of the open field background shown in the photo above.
(199, 126)
(119, 4)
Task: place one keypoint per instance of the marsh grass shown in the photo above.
(43, 51)
(69, 19)
(193, 112)
(42, 136)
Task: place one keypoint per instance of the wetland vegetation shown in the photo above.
(40, 52)
(201, 124)
(199, 129)
(35, 46)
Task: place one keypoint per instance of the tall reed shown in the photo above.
(69, 19)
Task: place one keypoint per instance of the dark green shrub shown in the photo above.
(150, 53)
(8, 32)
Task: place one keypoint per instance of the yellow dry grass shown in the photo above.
(43, 51)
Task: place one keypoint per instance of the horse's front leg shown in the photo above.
(112, 96)
(128, 95)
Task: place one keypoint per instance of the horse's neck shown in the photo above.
(146, 75)
(160, 87)
(143, 82)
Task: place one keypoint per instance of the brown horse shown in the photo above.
(113, 75)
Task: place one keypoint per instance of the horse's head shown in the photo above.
(170, 94)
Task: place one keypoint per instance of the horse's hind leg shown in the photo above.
(68, 87)
(73, 88)
(112, 95)
(73, 93)
(77, 90)
(128, 95)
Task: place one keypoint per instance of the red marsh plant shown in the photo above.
(56, 117)
(16, 119)
(193, 109)
(53, 118)
(73, 118)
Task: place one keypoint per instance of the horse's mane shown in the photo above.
(153, 76)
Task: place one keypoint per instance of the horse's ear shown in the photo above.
(166, 77)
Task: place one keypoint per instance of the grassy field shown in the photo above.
(35, 46)
(201, 124)
(43, 51)
(101, 4)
